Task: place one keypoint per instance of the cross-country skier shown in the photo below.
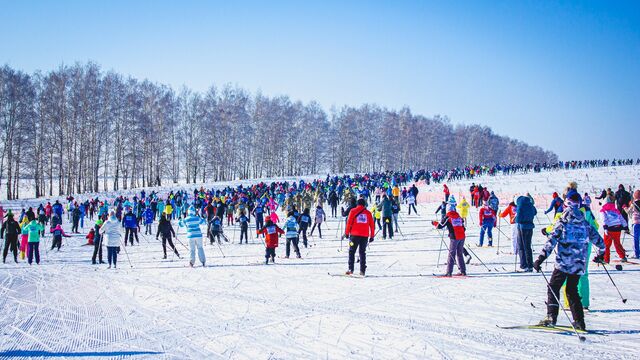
(487, 221)
(243, 220)
(304, 221)
(291, 235)
(130, 223)
(455, 225)
(58, 233)
(360, 229)
(166, 230)
(272, 232)
(192, 223)
(9, 231)
(525, 214)
(572, 234)
(613, 224)
(320, 216)
(110, 231)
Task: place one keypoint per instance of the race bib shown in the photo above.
(457, 222)
(361, 219)
(271, 230)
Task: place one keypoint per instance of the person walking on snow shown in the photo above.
(34, 230)
(58, 233)
(571, 234)
(525, 214)
(634, 216)
(9, 231)
(463, 210)
(360, 230)
(192, 224)
(510, 211)
(320, 216)
(130, 223)
(291, 226)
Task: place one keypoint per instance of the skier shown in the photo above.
(463, 210)
(110, 231)
(75, 219)
(333, 203)
(487, 221)
(634, 215)
(360, 229)
(192, 224)
(58, 233)
(572, 234)
(524, 218)
(442, 209)
(271, 232)
(166, 230)
(613, 224)
(258, 213)
(445, 190)
(411, 202)
(318, 219)
(130, 223)
(215, 229)
(510, 211)
(243, 220)
(148, 220)
(493, 202)
(33, 229)
(455, 225)
(9, 232)
(291, 235)
(395, 212)
(556, 205)
(387, 216)
(97, 243)
(304, 222)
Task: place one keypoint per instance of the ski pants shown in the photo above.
(556, 281)
(514, 237)
(334, 210)
(112, 255)
(488, 228)
(583, 286)
(129, 234)
(319, 229)
(259, 223)
(97, 250)
(613, 237)
(395, 221)
(244, 233)
(10, 242)
(304, 237)
(456, 250)
(147, 229)
(414, 209)
(193, 244)
(636, 240)
(270, 253)
(296, 249)
(358, 243)
(56, 243)
(166, 239)
(34, 249)
(524, 248)
(387, 225)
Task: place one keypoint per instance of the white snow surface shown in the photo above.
(238, 308)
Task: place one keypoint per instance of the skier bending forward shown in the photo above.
(572, 233)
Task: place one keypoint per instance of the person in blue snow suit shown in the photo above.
(148, 220)
(130, 224)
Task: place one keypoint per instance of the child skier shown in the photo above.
(272, 233)
(58, 233)
(487, 221)
(166, 230)
(305, 222)
(291, 225)
(318, 219)
(215, 229)
(244, 227)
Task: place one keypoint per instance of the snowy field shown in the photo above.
(238, 308)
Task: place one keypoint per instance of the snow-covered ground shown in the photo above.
(238, 308)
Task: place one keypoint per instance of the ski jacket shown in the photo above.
(463, 208)
(611, 218)
(148, 216)
(385, 208)
(305, 221)
(129, 221)
(634, 212)
(271, 232)
(34, 228)
(572, 234)
(291, 225)
(511, 212)
(526, 212)
(494, 203)
(192, 225)
(165, 228)
(454, 224)
(487, 216)
(216, 225)
(360, 223)
(244, 221)
(110, 232)
(58, 232)
(11, 227)
(320, 215)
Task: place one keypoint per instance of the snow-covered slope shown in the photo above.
(238, 308)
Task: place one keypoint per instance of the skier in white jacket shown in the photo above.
(110, 231)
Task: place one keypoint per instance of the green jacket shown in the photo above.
(34, 228)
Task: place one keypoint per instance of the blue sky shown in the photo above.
(564, 75)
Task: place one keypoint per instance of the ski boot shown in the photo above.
(349, 272)
(165, 256)
(362, 273)
(580, 325)
(549, 321)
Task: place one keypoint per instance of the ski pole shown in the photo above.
(474, 254)
(126, 253)
(499, 232)
(440, 251)
(580, 337)
(624, 301)
(220, 247)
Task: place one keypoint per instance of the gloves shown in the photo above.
(370, 239)
(544, 232)
(434, 223)
(599, 259)
(538, 262)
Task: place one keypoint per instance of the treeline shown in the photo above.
(78, 129)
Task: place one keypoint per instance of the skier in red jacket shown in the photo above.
(360, 229)
(272, 233)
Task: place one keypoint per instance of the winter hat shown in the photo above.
(361, 202)
(451, 207)
(573, 198)
(192, 211)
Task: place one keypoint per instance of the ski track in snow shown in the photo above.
(239, 308)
